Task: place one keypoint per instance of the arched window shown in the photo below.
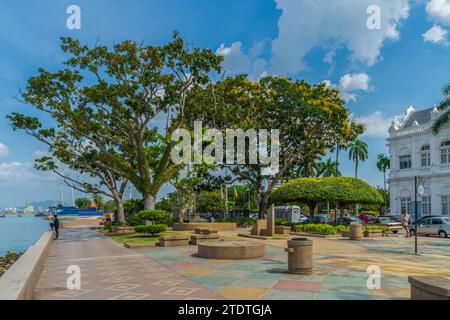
(425, 156)
(445, 152)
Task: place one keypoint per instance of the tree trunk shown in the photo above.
(120, 210)
(262, 207)
(385, 193)
(312, 207)
(337, 157)
(356, 168)
(149, 202)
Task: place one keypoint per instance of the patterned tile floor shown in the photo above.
(340, 269)
(110, 271)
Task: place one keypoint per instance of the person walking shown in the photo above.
(405, 222)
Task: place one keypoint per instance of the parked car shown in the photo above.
(318, 219)
(432, 226)
(346, 221)
(366, 217)
(388, 221)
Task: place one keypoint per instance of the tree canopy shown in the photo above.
(343, 190)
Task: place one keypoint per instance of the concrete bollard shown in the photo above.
(356, 231)
(300, 256)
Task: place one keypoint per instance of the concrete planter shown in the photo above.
(356, 231)
(429, 288)
(282, 230)
(300, 256)
(373, 233)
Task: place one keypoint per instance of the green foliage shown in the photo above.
(376, 227)
(133, 206)
(134, 220)
(83, 203)
(281, 221)
(324, 229)
(343, 190)
(210, 201)
(152, 215)
(107, 225)
(153, 229)
(157, 217)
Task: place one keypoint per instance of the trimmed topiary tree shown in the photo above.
(153, 229)
(311, 191)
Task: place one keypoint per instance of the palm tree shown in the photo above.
(443, 106)
(357, 152)
(328, 169)
(383, 164)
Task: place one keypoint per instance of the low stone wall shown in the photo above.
(20, 281)
(429, 288)
(79, 223)
(220, 226)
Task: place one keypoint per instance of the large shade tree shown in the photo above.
(115, 93)
(312, 191)
(310, 118)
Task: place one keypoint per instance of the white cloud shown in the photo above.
(377, 125)
(436, 34)
(349, 84)
(237, 61)
(39, 153)
(306, 24)
(4, 151)
(15, 169)
(439, 11)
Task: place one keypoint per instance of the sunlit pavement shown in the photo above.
(110, 271)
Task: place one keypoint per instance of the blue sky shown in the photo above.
(379, 72)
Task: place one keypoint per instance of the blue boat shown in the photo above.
(75, 212)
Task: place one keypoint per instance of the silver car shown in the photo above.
(432, 226)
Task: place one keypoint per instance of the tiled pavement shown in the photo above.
(109, 271)
(266, 278)
(112, 272)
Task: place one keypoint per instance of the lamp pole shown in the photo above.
(418, 190)
(415, 214)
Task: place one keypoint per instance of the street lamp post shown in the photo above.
(418, 190)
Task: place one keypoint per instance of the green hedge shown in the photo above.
(324, 229)
(156, 216)
(152, 229)
(376, 227)
(343, 190)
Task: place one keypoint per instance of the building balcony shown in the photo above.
(420, 171)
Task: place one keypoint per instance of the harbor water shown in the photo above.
(19, 233)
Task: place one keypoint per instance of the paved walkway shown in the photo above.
(110, 271)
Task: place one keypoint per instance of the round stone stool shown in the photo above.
(231, 250)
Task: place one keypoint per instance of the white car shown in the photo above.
(432, 226)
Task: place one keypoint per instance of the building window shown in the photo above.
(405, 204)
(405, 162)
(446, 205)
(445, 152)
(425, 156)
(426, 206)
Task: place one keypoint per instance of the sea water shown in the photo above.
(19, 233)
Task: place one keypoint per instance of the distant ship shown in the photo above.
(2, 215)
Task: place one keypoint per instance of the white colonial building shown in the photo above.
(416, 151)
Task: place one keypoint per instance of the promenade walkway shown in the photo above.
(110, 271)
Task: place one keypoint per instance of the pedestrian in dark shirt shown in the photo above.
(55, 224)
